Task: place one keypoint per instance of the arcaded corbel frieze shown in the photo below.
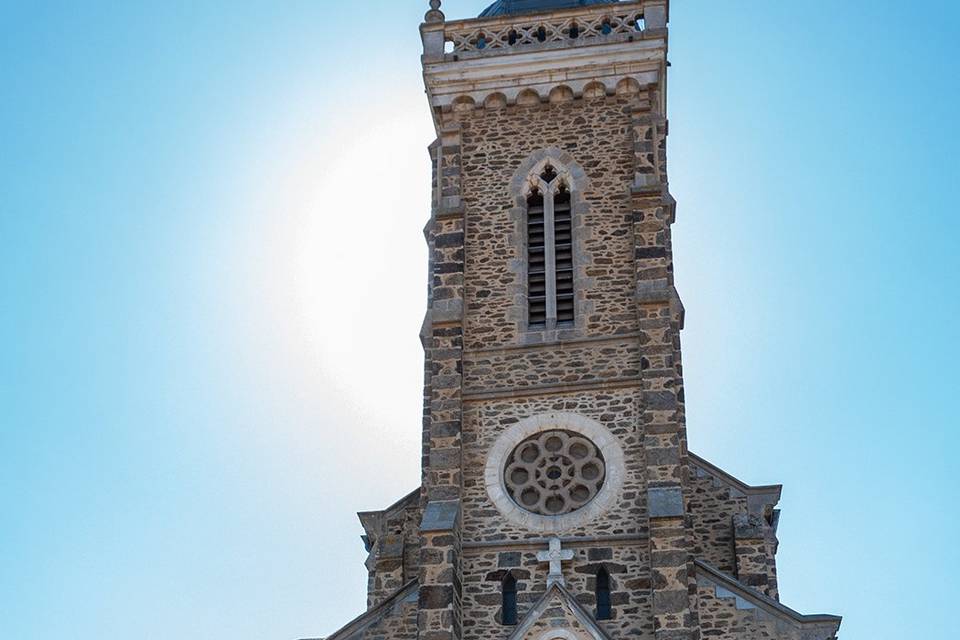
(609, 66)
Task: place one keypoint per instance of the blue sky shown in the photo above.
(211, 284)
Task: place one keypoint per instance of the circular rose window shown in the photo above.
(554, 472)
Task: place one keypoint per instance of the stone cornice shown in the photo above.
(371, 519)
(639, 63)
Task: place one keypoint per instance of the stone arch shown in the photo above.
(495, 101)
(594, 89)
(464, 103)
(528, 97)
(561, 93)
(521, 184)
(628, 86)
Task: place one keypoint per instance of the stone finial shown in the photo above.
(434, 15)
(555, 555)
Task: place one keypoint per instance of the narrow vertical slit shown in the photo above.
(603, 594)
(563, 255)
(508, 609)
(536, 261)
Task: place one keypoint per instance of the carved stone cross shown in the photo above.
(555, 555)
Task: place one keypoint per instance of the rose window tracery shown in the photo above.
(554, 472)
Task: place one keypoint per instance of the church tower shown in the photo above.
(558, 497)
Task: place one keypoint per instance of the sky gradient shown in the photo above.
(212, 278)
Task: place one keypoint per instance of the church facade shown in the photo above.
(559, 500)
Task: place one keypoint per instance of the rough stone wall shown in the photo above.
(484, 420)
(504, 369)
(558, 616)
(439, 604)
(597, 371)
(712, 507)
(721, 620)
(596, 132)
(400, 624)
(626, 562)
(395, 554)
(439, 599)
(755, 545)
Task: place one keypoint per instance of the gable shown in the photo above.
(558, 616)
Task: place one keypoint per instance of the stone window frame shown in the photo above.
(506, 442)
(525, 179)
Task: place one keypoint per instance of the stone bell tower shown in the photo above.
(558, 496)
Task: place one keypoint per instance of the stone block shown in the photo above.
(665, 502)
(440, 515)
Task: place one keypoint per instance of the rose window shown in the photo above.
(554, 472)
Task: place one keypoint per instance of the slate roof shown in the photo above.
(509, 7)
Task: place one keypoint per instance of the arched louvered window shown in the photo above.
(603, 594)
(550, 290)
(508, 610)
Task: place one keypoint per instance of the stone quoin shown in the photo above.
(558, 499)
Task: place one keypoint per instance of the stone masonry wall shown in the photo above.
(558, 615)
(627, 564)
(395, 554)
(401, 624)
(597, 134)
(485, 420)
(497, 370)
(393, 536)
(712, 508)
(722, 619)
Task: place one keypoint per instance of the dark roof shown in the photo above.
(507, 7)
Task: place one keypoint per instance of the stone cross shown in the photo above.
(555, 555)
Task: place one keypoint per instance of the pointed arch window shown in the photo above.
(550, 286)
(603, 594)
(508, 609)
